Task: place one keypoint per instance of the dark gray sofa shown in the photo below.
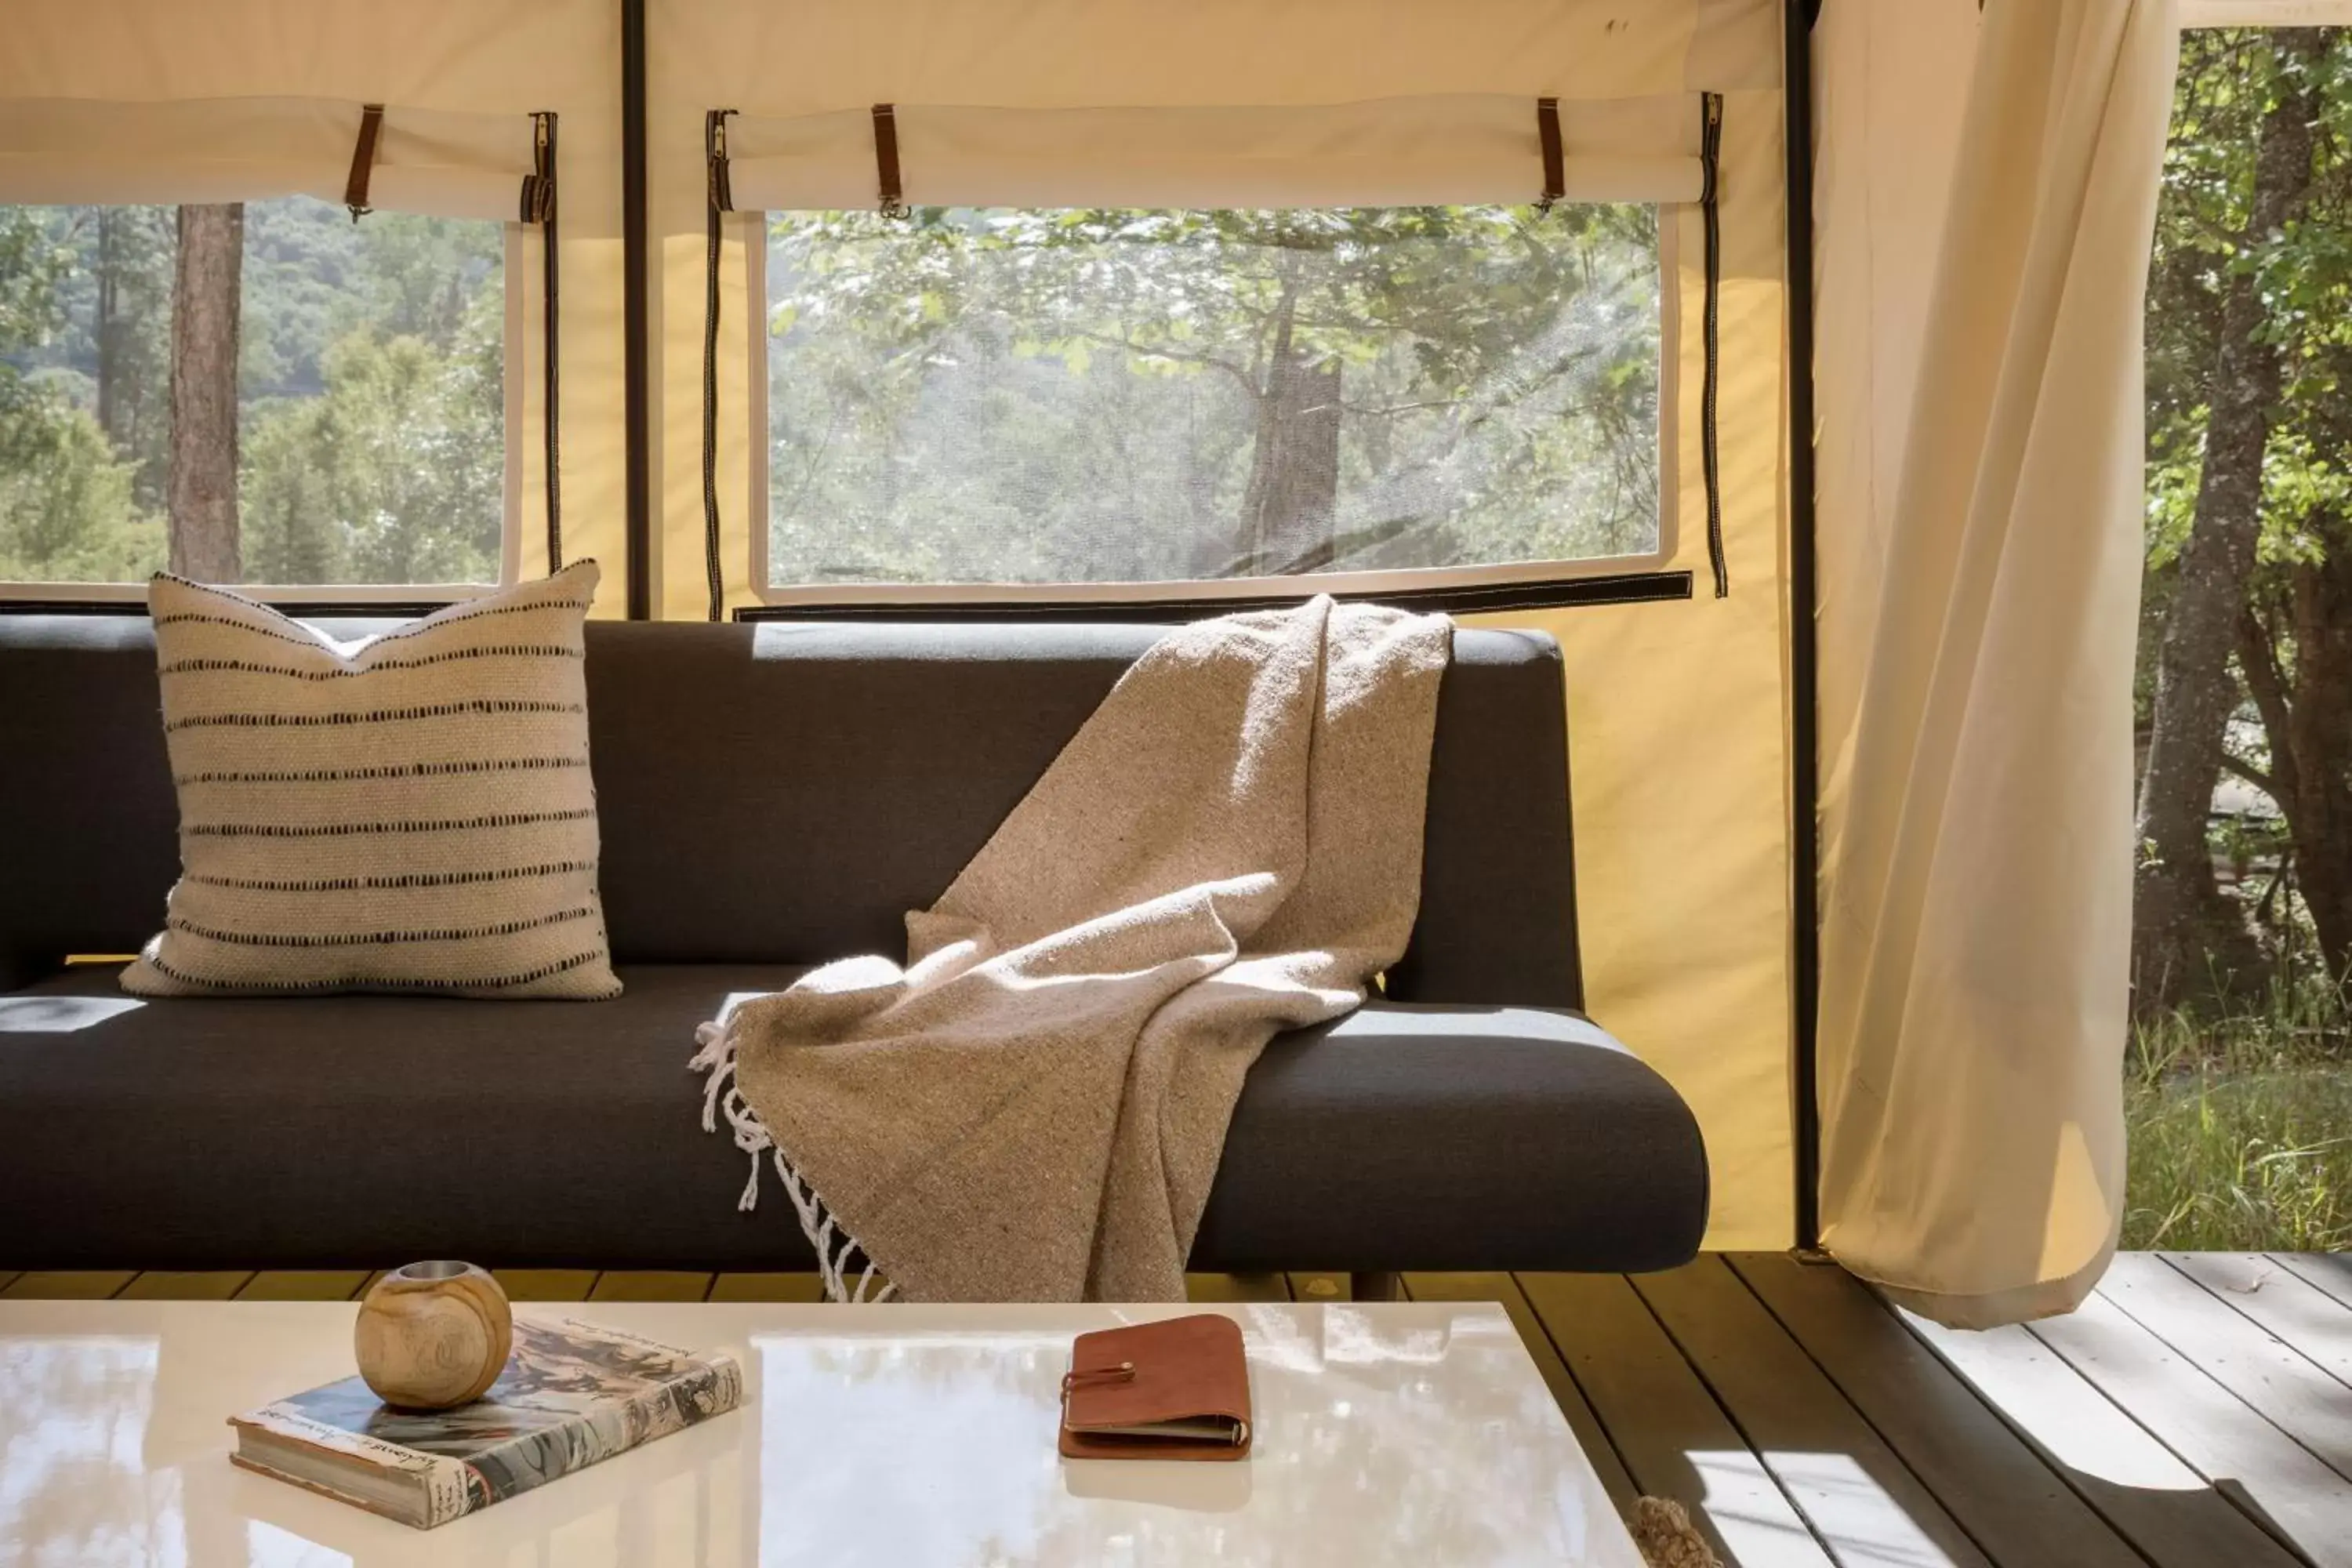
(773, 798)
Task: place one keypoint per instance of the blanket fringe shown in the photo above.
(836, 1248)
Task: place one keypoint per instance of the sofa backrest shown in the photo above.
(784, 793)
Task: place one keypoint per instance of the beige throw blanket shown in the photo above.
(1035, 1107)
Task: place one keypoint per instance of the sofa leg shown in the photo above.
(1375, 1285)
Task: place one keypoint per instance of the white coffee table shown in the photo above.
(905, 1435)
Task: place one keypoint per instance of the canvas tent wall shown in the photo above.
(1682, 866)
(1692, 711)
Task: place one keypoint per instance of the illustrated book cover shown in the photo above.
(572, 1393)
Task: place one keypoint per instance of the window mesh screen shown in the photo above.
(998, 395)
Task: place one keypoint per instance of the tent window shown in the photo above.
(1100, 396)
(370, 406)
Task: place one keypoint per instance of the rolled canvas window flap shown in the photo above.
(449, 163)
(1405, 151)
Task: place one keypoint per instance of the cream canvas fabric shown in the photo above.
(1977, 878)
(411, 813)
(1033, 1110)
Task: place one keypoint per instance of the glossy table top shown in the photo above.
(894, 1435)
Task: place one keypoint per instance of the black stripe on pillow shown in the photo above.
(366, 830)
(362, 982)
(357, 775)
(370, 939)
(378, 716)
(347, 672)
(392, 883)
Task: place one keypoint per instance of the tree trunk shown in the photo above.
(2307, 711)
(206, 289)
(1291, 508)
(107, 326)
(2185, 932)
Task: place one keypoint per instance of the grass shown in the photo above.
(2241, 1126)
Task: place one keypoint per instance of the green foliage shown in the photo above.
(394, 475)
(64, 500)
(2240, 1127)
(2241, 1109)
(369, 375)
(2229, 78)
(1100, 394)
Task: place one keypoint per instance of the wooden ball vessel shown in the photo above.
(432, 1336)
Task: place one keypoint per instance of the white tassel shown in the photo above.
(722, 1095)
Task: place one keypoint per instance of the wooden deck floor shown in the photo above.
(2196, 1413)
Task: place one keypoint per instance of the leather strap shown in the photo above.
(1099, 1376)
(714, 150)
(356, 189)
(893, 190)
(1555, 164)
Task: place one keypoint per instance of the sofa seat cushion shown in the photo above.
(361, 1131)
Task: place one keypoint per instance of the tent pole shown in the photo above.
(636, 421)
(1797, 76)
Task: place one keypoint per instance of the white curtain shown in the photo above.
(1977, 823)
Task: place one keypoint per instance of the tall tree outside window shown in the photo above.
(2241, 1074)
(1105, 396)
(266, 392)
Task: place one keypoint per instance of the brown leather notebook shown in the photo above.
(1177, 1389)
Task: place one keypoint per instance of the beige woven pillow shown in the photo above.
(412, 813)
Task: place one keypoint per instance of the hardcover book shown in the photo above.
(571, 1393)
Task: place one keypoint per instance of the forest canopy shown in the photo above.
(1103, 394)
(369, 394)
(2245, 705)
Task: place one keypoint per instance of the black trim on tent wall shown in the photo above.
(637, 410)
(718, 200)
(1805, 760)
(1711, 215)
(308, 610)
(1562, 592)
(543, 202)
(1555, 594)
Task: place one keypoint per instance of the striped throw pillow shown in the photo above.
(410, 813)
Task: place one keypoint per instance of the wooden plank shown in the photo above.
(1856, 1492)
(1675, 1440)
(2275, 1478)
(304, 1285)
(175, 1285)
(1236, 1288)
(8, 1277)
(68, 1284)
(545, 1284)
(768, 1288)
(2000, 1489)
(1317, 1286)
(650, 1285)
(2138, 1485)
(2298, 1312)
(2327, 1271)
(2236, 1352)
(1590, 1435)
